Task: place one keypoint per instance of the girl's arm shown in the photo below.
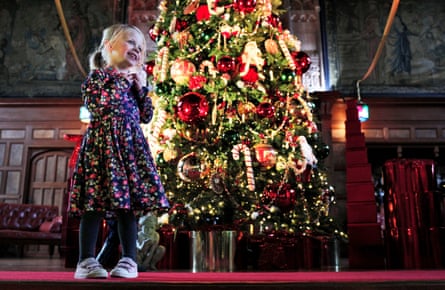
(99, 94)
(145, 105)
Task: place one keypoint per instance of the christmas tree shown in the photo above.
(235, 133)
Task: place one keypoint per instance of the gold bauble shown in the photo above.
(246, 108)
(181, 71)
(271, 46)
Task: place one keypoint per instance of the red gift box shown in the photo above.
(360, 173)
(356, 156)
(362, 212)
(360, 191)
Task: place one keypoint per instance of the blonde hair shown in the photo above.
(99, 58)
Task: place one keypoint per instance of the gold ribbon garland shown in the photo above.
(392, 13)
(68, 36)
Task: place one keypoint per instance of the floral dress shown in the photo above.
(115, 168)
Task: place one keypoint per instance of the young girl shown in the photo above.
(115, 171)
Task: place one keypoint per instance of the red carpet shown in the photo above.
(423, 279)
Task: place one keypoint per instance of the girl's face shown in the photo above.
(126, 50)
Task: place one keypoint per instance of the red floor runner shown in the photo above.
(243, 277)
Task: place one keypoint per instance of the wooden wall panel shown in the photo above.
(33, 153)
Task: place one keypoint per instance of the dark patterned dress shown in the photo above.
(115, 168)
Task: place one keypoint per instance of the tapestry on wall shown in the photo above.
(35, 59)
(411, 62)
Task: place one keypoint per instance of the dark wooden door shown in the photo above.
(48, 178)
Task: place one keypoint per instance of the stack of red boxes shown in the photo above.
(366, 248)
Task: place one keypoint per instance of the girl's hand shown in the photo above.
(138, 77)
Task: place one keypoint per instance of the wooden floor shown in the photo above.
(33, 260)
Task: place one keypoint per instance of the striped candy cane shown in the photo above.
(286, 52)
(162, 63)
(153, 138)
(248, 161)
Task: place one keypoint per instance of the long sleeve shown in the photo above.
(145, 105)
(101, 93)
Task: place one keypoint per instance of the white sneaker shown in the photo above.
(90, 268)
(126, 268)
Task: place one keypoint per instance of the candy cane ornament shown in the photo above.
(162, 9)
(152, 131)
(162, 60)
(306, 108)
(209, 65)
(160, 121)
(248, 161)
(286, 52)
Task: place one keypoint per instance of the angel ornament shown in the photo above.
(149, 252)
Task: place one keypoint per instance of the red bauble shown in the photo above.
(302, 62)
(226, 65)
(281, 195)
(265, 110)
(180, 25)
(244, 6)
(197, 82)
(149, 66)
(192, 107)
(274, 20)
